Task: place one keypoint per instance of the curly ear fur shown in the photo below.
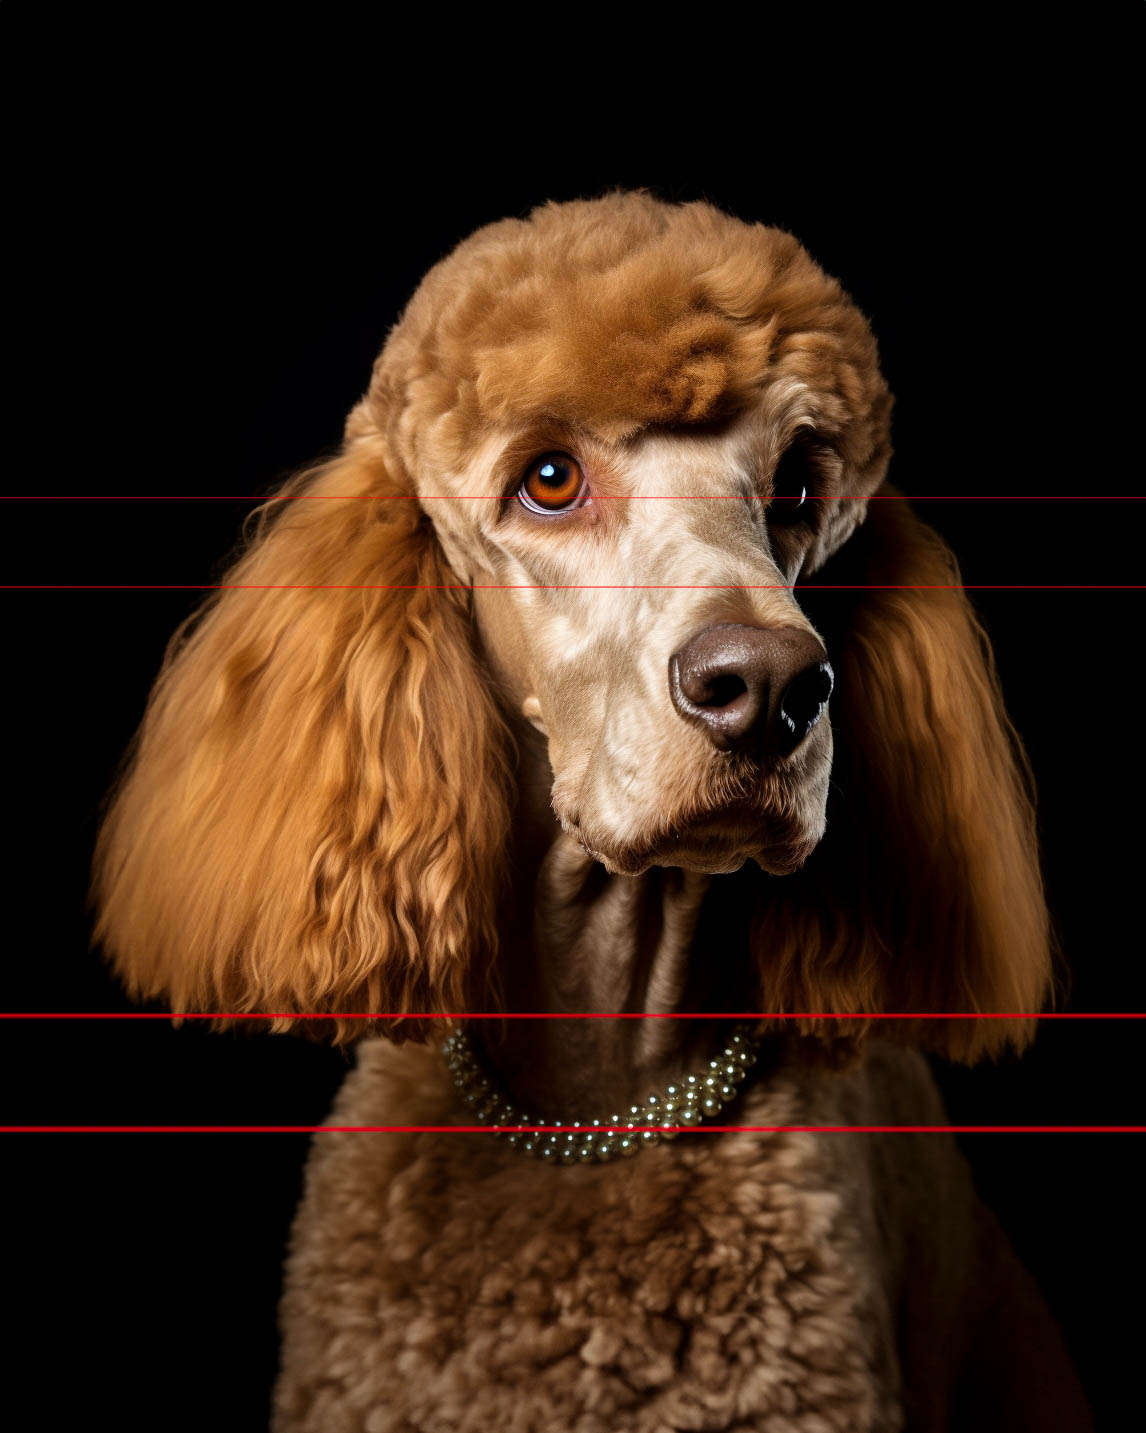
(925, 894)
(315, 809)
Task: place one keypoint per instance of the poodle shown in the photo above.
(523, 703)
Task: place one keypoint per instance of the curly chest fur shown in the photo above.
(724, 1282)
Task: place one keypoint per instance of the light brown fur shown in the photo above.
(422, 756)
(789, 1283)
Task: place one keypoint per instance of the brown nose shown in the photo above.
(758, 688)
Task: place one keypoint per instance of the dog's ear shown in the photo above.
(313, 816)
(925, 895)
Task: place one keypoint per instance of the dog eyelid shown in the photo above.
(530, 506)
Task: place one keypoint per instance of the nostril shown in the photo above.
(723, 690)
(802, 704)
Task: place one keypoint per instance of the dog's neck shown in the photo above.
(576, 939)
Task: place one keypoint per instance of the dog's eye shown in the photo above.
(553, 483)
(790, 484)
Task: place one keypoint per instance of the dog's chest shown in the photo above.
(446, 1283)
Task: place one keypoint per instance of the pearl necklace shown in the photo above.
(684, 1103)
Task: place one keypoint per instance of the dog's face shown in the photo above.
(632, 478)
(601, 567)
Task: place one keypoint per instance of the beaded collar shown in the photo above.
(684, 1103)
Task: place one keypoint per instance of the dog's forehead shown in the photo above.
(620, 314)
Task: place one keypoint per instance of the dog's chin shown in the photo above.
(715, 846)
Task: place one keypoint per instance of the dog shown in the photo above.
(601, 672)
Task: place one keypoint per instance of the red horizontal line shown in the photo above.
(597, 497)
(571, 586)
(573, 1015)
(566, 1129)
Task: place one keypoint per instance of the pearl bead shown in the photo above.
(690, 1115)
(710, 1104)
(628, 1146)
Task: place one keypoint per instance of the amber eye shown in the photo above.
(790, 485)
(553, 483)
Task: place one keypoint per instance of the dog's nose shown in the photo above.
(758, 688)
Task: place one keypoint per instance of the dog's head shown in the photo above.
(596, 454)
(643, 415)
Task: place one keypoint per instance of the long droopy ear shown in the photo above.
(314, 812)
(925, 894)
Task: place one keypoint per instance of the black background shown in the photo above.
(209, 235)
